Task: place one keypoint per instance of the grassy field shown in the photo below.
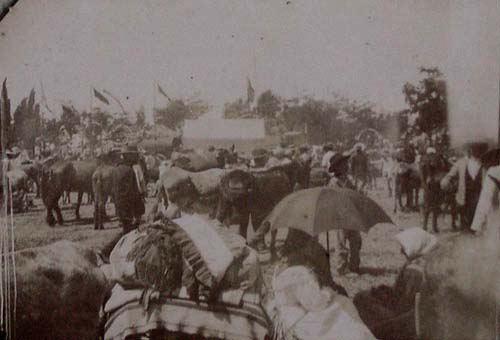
(380, 256)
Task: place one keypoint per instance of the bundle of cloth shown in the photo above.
(188, 277)
(190, 257)
(195, 161)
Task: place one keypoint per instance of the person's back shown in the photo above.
(127, 197)
(360, 164)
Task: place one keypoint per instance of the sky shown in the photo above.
(363, 49)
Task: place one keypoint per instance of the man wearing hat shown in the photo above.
(128, 191)
(259, 158)
(469, 172)
(348, 255)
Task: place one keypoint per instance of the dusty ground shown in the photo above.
(380, 256)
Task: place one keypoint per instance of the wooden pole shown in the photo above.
(328, 243)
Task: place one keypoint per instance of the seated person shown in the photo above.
(302, 309)
(389, 311)
(301, 249)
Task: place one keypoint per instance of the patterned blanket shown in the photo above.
(220, 321)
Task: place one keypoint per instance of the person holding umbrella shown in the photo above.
(347, 242)
(305, 299)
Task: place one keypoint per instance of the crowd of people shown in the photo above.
(304, 293)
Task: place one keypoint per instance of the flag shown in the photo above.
(101, 97)
(250, 92)
(44, 98)
(163, 93)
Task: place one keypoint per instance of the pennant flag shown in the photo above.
(116, 99)
(44, 98)
(101, 97)
(163, 93)
(250, 92)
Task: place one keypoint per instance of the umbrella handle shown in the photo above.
(328, 244)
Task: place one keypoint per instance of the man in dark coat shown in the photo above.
(129, 201)
(360, 168)
(347, 242)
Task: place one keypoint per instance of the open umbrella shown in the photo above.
(321, 209)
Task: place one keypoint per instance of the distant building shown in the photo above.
(220, 129)
(244, 134)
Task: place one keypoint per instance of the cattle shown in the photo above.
(60, 290)
(64, 176)
(191, 191)
(252, 194)
(461, 288)
(196, 161)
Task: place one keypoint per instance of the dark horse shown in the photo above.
(102, 184)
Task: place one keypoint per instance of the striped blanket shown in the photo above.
(220, 321)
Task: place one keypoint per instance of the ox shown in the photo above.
(255, 193)
(191, 191)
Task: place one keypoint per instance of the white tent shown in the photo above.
(217, 128)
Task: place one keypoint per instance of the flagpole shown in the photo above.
(91, 100)
(155, 84)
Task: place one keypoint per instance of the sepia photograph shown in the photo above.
(250, 169)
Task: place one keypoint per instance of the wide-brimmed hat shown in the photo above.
(337, 161)
(359, 146)
(13, 151)
(478, 148)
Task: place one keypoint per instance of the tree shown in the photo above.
(173, 115)
(140, 118)
(428, 100)
(27, 122)
(268, 104)
(51, 130)
(6, 130)
(70, 119)
(196, 107)
(236, 109)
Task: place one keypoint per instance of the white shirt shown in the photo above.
(325, 162)
(473, 167)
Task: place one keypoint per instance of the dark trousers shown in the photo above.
(348, 247)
